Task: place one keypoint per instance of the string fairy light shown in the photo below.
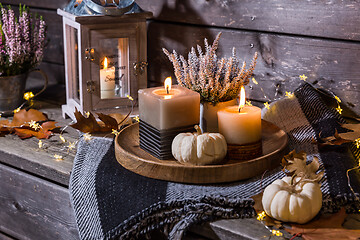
(303, 77)
(289, 94)
(71, 146)
(17, 110)
(40, 144)
(357, 142)
(35, 125)
(87, 114)
(267, 105)
(261, 216)
(58, 157)
(254, 81)
(129, 97)
(337, 99)
(28, 96)
(62, 138)
(248, 103)
(339, 109)
(115, 132)
(87, 137)
(276, 233)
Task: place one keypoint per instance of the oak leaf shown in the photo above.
(106, 124)
(295, 163)
(326, 227)
(341, 138)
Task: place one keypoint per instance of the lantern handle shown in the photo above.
(110, 11)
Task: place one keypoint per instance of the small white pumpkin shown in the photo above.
(199, 148)
(289, 202)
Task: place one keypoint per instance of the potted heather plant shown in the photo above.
(217, 80)
(22, 41)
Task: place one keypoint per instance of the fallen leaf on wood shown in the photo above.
(43, 132)
(325, 228)
(29, 123)
(86, 124)
(23, 117)
(106, 124)
(295, 163)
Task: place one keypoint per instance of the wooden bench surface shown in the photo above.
(35, 198)
(320, 39)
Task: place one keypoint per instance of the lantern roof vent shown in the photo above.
(102, 7)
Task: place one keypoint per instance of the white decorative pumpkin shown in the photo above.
(199, 148)
(298, 203)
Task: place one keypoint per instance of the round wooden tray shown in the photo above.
(132, 157)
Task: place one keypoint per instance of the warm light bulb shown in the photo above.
(105, 63)
(167, 85)
(242, 98)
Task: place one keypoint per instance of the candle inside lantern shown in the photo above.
(107, 81)
(169, 106)
(240, 124)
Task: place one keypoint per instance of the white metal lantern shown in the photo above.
(105, 54)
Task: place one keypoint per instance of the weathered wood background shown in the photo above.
(320, 39)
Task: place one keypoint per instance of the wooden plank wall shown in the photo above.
(320, 39)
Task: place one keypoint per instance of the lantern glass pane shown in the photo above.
(114, 68)
(73, 62)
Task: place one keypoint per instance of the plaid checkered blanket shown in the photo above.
(111, 202)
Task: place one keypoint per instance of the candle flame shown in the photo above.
(105, 63)
(167, 84)
(242, 98)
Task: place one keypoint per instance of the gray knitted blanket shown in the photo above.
(111, 202)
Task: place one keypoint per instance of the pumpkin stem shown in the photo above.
(198, 129)
(292, 179)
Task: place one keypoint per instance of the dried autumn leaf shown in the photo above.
(43, 132)
(91, 125)
(5, 127)
(268, 221)
(351, 135)
(121, 119)
(325, 228)
(109, 122)
(334, 140)
(295, 163)
(21, 124)
(23, 117)
(86, 124)
(341, 138)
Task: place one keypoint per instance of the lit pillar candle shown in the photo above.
(240, 124)
(107, 81)
(169, 107)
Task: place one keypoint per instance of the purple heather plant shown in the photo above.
(22, 41)
(215, 79)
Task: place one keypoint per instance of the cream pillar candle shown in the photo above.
(107, 81)
(169, 107)
(240, 127)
